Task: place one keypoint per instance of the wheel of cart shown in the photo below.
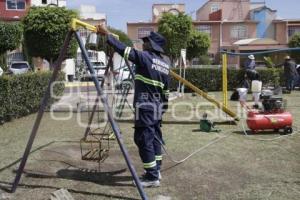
(288, 130)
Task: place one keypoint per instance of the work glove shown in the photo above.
(102, 30)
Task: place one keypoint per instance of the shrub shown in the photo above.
(294, 43)
(20, 95)
(45, 29)
(209, 79)
(204, 60)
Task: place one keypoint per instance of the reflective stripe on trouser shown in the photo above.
(146, 135)
(144, 138)
(150, 165)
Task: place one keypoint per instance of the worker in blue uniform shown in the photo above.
(150, 99)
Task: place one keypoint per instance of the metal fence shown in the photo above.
(14, 56)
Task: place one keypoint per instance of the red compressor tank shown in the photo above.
(258, 121)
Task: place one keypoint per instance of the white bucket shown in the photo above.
(256, 86)
(243, 94)
(256, 97)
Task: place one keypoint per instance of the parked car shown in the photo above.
(19, 67)
(99, 68)
(122, 76)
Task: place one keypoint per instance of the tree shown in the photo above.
(295, 42)
(123, 37)
(45, 29)
(176, 29)
(197, 45)
(10, 39)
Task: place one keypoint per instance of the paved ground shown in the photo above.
(79, 96)
(234, 167)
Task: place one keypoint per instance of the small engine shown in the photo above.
(272, 104)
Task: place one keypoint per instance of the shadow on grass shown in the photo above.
(87, 175)
(33, 151)
(18, 160)
(250, 133)
(31, 186)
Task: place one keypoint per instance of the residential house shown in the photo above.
(138, 30)
(14, 11)
(233, 25)
(59, 3)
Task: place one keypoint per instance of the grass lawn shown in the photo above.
(235, 167)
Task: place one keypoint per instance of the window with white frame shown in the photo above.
(293, 30)
(214, 7)
(239, 32)
(144, 32)
(15, 4)
(44, 1)
(204, 29)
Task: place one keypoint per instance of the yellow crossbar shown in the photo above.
(205, 95)
(76, 23)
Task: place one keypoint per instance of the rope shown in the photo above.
(193, 153)
(261, 52)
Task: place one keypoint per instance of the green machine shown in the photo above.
(206, 125)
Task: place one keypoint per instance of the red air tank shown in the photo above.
(258, 121)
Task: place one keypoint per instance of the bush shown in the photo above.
(209, 79)
(45, 29)
(295, 43)
(20, 95)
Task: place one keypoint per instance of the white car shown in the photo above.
(122, 76)
(19, 67)
(99, 68)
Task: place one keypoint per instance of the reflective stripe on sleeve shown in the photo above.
(127, 52)
(149, 81)
(166, 91)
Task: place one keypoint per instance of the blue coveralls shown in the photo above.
(150, 101)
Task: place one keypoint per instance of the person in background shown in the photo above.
(250, 72)
(250, 63)
(1, 71)
(290, 73)
(298, 81)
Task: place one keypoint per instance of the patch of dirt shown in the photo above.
(64, 161)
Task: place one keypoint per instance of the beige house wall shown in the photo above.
(132, 31)
(281, 32)
(159, 9)
(227, 39)
(231, 10)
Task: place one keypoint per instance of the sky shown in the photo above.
(119, 12)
